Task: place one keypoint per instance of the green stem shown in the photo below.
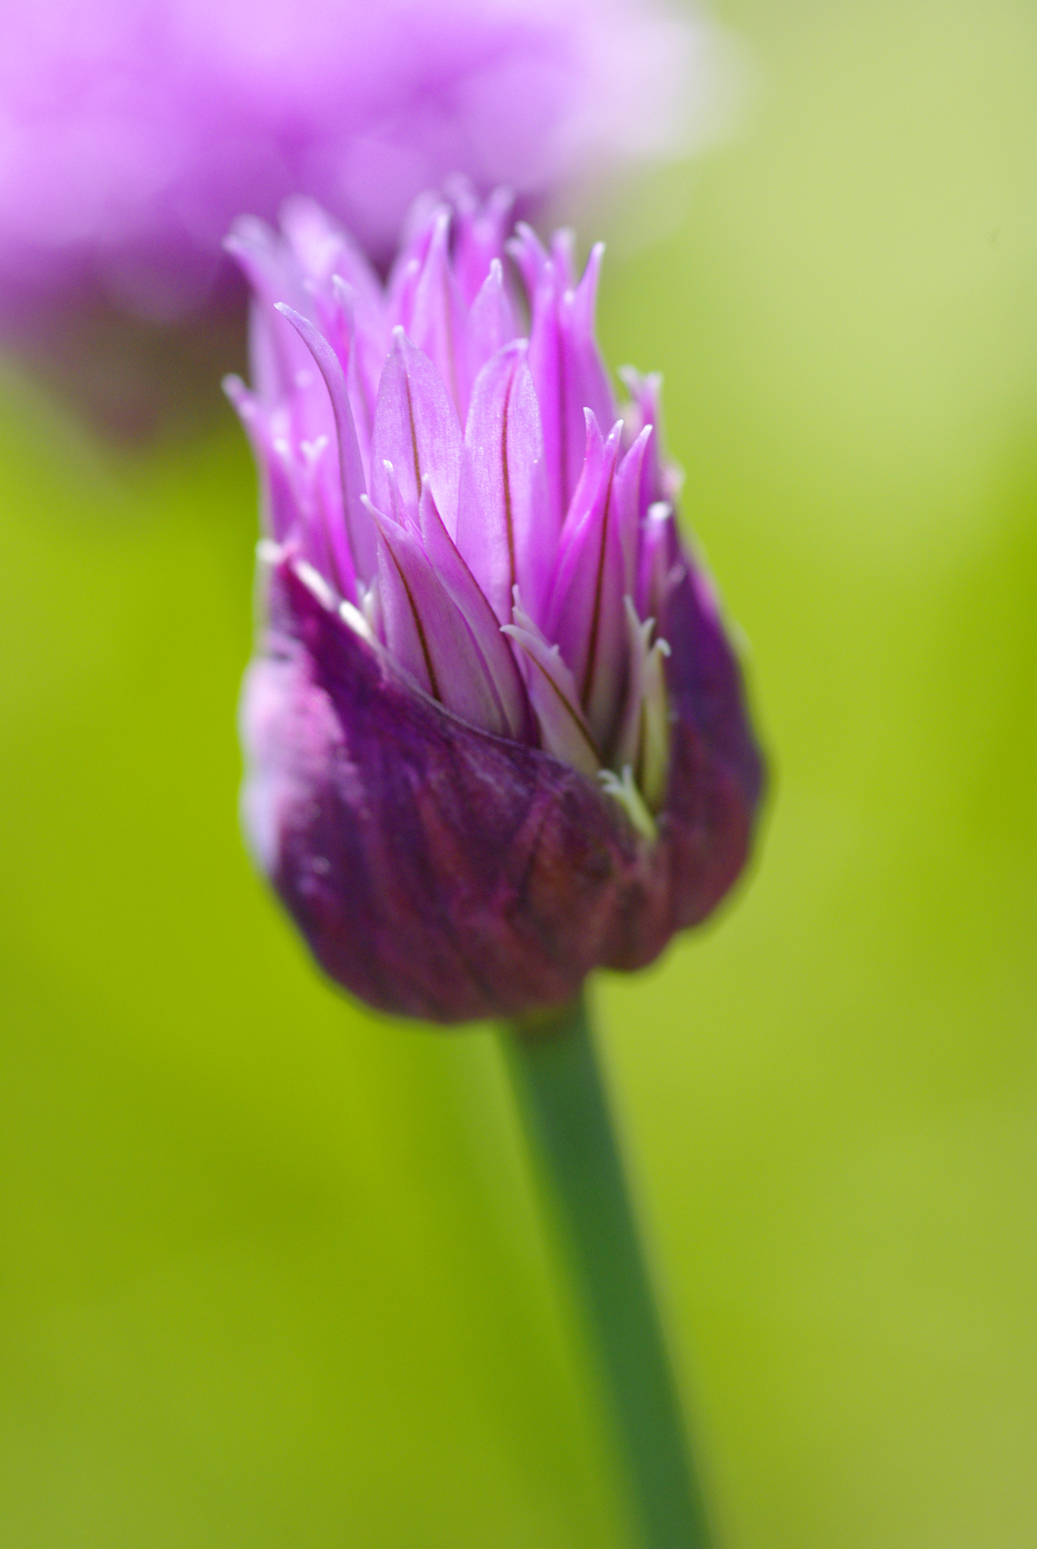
(565, 1113)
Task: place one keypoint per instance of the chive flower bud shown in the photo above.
(495, 733)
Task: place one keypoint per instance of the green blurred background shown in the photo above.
(270, 1269)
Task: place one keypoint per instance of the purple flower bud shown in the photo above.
(495, 733)
(134, 131)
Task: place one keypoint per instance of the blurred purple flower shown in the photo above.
(133, 131)
(495, 734)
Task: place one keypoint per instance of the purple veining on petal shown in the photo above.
(416, 429)
(429, 634)
(564, 731)
(504, 525)
(585, 611)
(473, 605)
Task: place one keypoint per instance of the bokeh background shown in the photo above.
(270, 1269)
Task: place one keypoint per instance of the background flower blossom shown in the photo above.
(132, 134)
(496, 735)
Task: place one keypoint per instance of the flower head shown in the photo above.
(134, 131)
(495, 733)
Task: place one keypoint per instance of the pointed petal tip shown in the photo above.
(356, 621)
(623, 789)
(314, 582)
(248, 231)
(344, 294)
(235, 389)
(268, 552)
(372, 510)
(636, 380)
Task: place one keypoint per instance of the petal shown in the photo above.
(416, 429)
(548, 368)
(643, 744)
(301, 497)
(398, 620)
(411, 253)
(322, 249)
(628, 506)
(468, 597)
(277, 510)
(276, 352)
(529, 256)
(505, 528)
(438, 323)
(318, 493)
(591, 381)
(563, 356)
(563, 256)
(653, 765)
(396, 507)
(585, 612)
(563, 728)
(479, 232)
(427, 633)
(645, 393)
(361, 341)
(660, 563)
(628, 739)
(358, 527)
(491, 323)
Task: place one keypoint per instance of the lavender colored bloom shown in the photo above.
(495, 733)
(133, 131)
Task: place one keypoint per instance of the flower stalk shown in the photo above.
(565, 1114)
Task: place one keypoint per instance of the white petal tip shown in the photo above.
(315, 582)
(356, 621)
(623, 790)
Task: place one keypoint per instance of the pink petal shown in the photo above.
(491, 322)
(466, 595)
(506, 528)
(438, 322)
(479, 231)
(358, 527)
(427, 633)
(416, 429)
(585, 612)
(564, 732)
